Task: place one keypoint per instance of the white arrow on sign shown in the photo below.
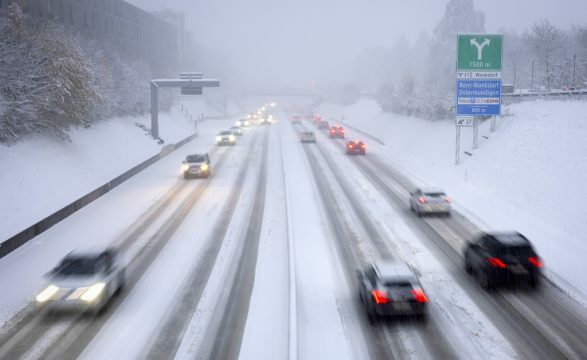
(480, 47)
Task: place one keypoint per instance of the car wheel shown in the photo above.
(484, 281)
(468, 268)
(372, 317)
(419, 213)
(534, 282)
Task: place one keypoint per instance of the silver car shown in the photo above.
(84, 281)
(429, 201)
(236, 130)
(308, 137)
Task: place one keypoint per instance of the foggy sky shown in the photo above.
(312, 38)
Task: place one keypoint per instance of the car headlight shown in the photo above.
(47, 293)
(246, 123)
(204, 167)
(218, 138)
(231, 138)
(93, 292)
(185, 167)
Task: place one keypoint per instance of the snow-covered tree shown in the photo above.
(460, 17)
(546, 42)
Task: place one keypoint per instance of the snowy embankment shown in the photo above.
(528, 176)
(40, 176)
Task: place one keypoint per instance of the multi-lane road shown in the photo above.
(259, 260)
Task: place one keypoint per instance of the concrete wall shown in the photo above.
(130, 30)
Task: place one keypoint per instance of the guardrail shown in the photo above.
(13, 243)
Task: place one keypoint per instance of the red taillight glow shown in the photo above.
(350, 146)
(535, 260)
(447, 199)
(380, 296)
(419, 295)
(422, 200)
(496, 262)
(362, 146)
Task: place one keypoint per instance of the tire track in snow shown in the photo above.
(68, 340)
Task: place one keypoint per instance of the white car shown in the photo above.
(236, 130)
(225, 138)
(308, 137)
(84, 281)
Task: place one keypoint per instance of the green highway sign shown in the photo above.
(479, 52)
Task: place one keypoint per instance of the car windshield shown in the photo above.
(397, 284)
(79, 266)
(195, 158)
(225, 132)
(309, 134)
(522, 251)
(435, 194)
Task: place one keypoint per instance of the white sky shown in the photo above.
(285, 35)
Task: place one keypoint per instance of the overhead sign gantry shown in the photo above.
(190, 84)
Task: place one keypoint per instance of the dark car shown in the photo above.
(355, 147)
(501, 258)
(196, 165)
(391, 289)
(323, 125)
(337, 132)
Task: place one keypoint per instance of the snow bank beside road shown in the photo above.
(528, 176)
(39, 176)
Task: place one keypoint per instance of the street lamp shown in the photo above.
(532, 79)
(574, 62)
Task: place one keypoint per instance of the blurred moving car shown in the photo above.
(308, 137)
(391, 288)
(84, 281)
(296, 119)
(429, 201)
(323, 125)
(337, 132)
(355, 147)
(243, 123)
(266, 120)
(196, 165)
(225, 138)
(500, 258)
(236, 130)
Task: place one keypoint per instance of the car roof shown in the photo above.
(395, 270)
(431, 190)
(92, 252)
(510, 238)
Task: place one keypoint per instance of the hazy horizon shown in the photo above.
(306, 40)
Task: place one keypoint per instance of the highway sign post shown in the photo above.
(478, 81)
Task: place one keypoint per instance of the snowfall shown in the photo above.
(528, 176)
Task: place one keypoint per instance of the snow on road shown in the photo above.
(528, 176)
(40, 176)
(21, 272)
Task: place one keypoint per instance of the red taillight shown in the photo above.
(496, 262)
(380, 296)
(535, 260)
(422, 200)
(419, 295)
(362, 146)
(447, 199)
(350, 146)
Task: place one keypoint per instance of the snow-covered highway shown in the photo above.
(260, 259)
